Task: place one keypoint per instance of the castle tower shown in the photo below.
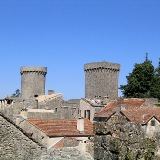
(101, 80)
(32, 81)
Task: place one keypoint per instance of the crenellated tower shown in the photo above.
(32, 81)
(101, 80)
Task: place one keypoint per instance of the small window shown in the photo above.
(56, 109)
(79, 111)
(153, 123)
(87, 114)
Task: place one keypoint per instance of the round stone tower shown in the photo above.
(101, 80)
(33, 81)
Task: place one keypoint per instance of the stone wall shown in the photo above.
(101, 79)
(68, 153)
(150, 102)
(13, 109)
(33, 81)
(15, 144)
(37, 134)
(51, 104)
(120, 139)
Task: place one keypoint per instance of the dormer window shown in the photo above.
(153, 123)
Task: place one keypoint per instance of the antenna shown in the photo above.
(146, 56)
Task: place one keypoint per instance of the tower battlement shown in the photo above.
(28, 69)
(101, 65)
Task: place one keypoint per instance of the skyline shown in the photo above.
(64, 35)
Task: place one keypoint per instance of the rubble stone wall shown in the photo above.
(120, 139)
(15, 144)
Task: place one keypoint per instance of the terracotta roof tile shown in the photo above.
(110, 109)
(62, 127)
(142, 115)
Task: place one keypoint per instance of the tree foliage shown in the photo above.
(143, 82)
(16, 94)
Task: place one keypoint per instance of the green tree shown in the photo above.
(143, 82)
(16, 94)
(155, 88)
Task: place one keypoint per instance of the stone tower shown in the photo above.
(101, 80)
(33, 81)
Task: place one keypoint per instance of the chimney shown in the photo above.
(50, 92)
(120, 105)
(80, 125)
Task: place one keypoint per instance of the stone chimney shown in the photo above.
(50, 92)
(80, 125)
(120, 105)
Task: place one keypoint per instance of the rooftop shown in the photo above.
(62, 127)
(43, 98)
(142, 115)
(110, 108)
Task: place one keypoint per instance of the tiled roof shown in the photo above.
(62, 127)
(142, 115)
(110, 109)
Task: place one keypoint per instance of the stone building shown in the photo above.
(88, 108)
(54, 122)
(34, 100)
(32, 81)
(50, 132)
(135, 110)
(19, 145)
(120, 139)
(101, 80)
(147, 117)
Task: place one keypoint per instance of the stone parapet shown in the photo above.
(30, 69)
(102, 65)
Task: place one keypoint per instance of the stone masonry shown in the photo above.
(15, 144)
(33, 81)
(101, 80)
(118, 139)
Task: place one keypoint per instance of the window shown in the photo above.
(56, 109)
(153, 123)
(87, 114)
(79, 112)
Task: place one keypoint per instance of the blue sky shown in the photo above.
(63, 35)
